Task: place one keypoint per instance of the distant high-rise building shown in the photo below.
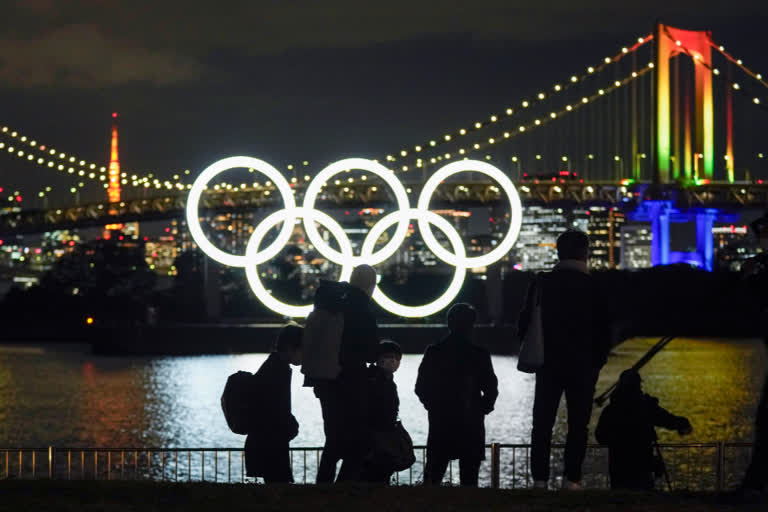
(726, 234)
(535, 249)
(603, 226)
(635, 246)
(160, 254)
(733, 246)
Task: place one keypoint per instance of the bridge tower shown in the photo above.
(698, 160)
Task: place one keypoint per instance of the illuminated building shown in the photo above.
(733, 246)
(160, 254)
(603, 226)
(228, 231)
(535, 249)
(635, 246)
(727, 234)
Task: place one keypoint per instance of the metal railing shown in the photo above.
(692, 466)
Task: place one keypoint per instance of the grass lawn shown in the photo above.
(33, 496)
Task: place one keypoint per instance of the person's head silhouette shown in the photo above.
(288, 343)
(461, 319)
(573, 245)
(760, 228)
(630, 384)
(364, 278)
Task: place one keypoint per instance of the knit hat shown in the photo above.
(389, 347)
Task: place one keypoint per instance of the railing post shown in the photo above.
(720, 466)
(51, 454)
(495, 465)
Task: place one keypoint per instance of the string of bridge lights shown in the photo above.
(73, 165)
(740, 64)
(523, 128)
(736, 86)
(61, 161)
(541, 97)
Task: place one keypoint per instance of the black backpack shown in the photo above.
(238, 401)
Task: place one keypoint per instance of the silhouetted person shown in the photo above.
(756, 279)
(458, 387)
(267, 445)
(576, 339)
(383, 406)
(343, 400)
(627, 427)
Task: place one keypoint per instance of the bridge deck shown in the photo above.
(560, 193)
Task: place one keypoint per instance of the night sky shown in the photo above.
(288, 81)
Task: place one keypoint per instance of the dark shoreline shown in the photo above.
(203, 339)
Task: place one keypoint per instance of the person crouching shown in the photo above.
(267, 445)
(626, 426)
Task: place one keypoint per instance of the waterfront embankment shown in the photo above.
(73, 496)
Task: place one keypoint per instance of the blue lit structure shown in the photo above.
(660, 213)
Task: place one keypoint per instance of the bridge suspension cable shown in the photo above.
(52, 158)
(739, 63)
(64, 161)
(506, 135)
(540, 98)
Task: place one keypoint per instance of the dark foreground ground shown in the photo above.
(166, 497)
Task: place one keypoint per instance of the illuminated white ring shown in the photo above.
(193, 203)
(458, 277)
(401, 197)
(515, 221)
(253, 257)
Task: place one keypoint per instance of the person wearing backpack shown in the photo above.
(458, 388)
(627, 427)
(340, 339)
(272, 425)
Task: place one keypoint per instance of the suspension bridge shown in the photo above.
(666, 128)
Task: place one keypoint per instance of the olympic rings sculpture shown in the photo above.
(344, 256)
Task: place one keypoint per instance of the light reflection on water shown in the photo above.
(67, 397)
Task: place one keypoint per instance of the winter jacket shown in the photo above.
(383, 402)
(574, 317)
(275, 425)
(359, 336)
(627, 427)
(457, 386)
